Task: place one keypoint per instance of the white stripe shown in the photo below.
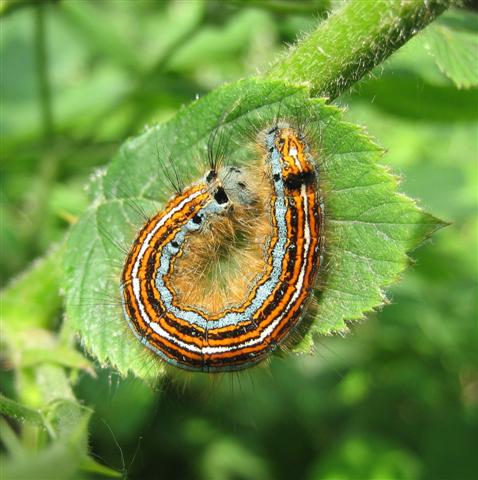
(269, 330)
(134, 273)
(215, 350)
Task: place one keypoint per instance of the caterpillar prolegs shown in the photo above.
(276, 208)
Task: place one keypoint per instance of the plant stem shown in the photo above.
(42, 70)
(37, 199)
(352, 41)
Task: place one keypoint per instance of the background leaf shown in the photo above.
(453, 42)
(65, 456)
(20, 412)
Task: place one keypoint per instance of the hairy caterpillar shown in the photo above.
(217, 267)
(277, 207)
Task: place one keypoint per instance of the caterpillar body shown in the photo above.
(280, 207)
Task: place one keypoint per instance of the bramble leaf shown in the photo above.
(370, 227)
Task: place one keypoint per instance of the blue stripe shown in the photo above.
(264, 291)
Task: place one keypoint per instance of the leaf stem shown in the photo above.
(352, 41)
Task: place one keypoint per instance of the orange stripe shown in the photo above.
(288, 279)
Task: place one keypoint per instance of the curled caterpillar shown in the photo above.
(278, 209)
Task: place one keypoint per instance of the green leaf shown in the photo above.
(92, 466)
(369, 226)
(20, 412)
(66, 422)
(65, 456)
(57, 354)
(33, 299)
(30, 306)
(453, 42)
(403, 93)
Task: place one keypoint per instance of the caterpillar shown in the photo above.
(220, 266)
(278, 208)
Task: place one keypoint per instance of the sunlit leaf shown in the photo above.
(369, 227)
(32, 299)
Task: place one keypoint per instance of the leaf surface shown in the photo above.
(369, 227)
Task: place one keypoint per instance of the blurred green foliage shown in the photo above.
(395, 399)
